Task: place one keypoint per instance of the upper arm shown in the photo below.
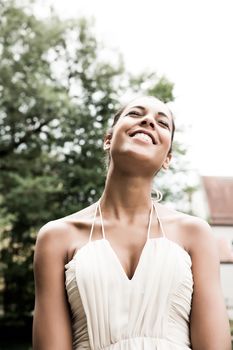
(209, 325)
(51, 325)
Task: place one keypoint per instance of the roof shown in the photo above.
(219, 193)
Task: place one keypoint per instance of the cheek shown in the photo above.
(119, 131)
(166, 137)
(116, 138)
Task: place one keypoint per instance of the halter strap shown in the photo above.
(159, 221)
(93, 222)
(150, 219)
(102, 225)
(101, 219)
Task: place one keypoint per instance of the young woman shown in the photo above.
(127, 272)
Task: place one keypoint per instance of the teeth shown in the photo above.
(143, 136)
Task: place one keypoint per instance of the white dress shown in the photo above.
(149, 311)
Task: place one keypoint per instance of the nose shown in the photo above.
(148, 120)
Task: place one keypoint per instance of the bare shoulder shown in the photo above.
(63, 235)
(194, 232)
(53, 233)
(197, 234)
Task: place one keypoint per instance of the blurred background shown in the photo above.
(65, 68)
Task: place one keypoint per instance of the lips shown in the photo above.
(144, 132)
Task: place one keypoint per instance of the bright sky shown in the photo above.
(190, 42)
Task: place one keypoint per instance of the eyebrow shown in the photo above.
(143, 109)
(163, 114)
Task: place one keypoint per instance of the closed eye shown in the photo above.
(134, 113)
(163, 123)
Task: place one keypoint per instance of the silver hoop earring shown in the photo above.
(159, 195)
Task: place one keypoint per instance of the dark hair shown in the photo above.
(120, 111)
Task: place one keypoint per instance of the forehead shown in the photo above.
(151, 103)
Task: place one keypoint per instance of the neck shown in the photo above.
(126, 194)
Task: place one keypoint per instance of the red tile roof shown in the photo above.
(219, 192)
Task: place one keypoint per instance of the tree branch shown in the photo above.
(13, 145)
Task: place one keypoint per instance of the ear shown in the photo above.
(107, 141)
(166, 163)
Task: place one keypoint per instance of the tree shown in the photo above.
(57, 96)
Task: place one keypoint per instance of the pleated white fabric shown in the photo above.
(149, 311)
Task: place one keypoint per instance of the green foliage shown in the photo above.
(57, 94)
(151, 84)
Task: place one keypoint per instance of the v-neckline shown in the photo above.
(119, 264)
(114, 254)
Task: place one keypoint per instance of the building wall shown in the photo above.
(199, 204)
(223, 231)
(226, 273)
(200, 208)
(226, 269)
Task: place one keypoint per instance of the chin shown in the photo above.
(133, 160)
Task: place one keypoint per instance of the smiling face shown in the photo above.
(142, 135)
